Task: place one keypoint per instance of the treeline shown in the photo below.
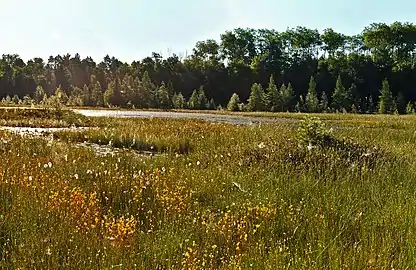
(247, 69)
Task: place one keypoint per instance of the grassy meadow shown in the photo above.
(301, 194)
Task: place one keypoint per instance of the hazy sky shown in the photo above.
(132, 29)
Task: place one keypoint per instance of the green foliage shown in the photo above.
(211, 104)
(312, 101)
(272, 96)
(287, 97)
(163, 99)
(148, 91)
(324, 102)
(233, 104)
(202, 101)
(256, 101)
(39, 94)
(386, 99)
(210, 196)
(231, 63)
(61, 96)
(178, 101)
(312, 131)
(96, 97)
(340, 96)
(198, 100)
(410, 109)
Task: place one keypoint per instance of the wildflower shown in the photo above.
(198, 163)
(310, 147)
(261, 145)
(30, 178)
(50, 164)
(76, 176)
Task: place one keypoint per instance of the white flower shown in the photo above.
(198, 163)
(76, 176)
(50, 164)
(261, 145)
(310, 147)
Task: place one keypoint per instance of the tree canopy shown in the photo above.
(240, 58)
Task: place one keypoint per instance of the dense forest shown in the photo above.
(300, 69)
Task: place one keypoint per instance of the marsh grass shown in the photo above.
(243, 197)
(42, 117)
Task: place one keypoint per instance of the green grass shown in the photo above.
(248, 197)
(42, 117)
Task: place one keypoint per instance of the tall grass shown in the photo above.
(42, 117)
(249, 197)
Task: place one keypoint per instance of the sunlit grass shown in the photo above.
(248, 197)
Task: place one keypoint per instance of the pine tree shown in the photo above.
(339, 96)
(353, 97)
(386, 99)
(312, 102)
(324, 102)
(202, 103)
(163, 100)
(410, 109)
(233, 103)
(108, 94)
(148, 91)
(112, 95)
(301, 105)
(286, 97)
(256, 101)
(97, 98)
(272, 96)
(178, 101)
(211, 104)
(76, 97)
(39, 94)
(61, 96)
(193, 101)
(86, 95)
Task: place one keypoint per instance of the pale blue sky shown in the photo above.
(132, 29)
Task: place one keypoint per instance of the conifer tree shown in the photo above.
(178, 101)
(211, 104)
(410, 109)
(148, 91)
(286, 97)
(202, 102)
(312, 102)
(339, 96)
(233, 103)
(39, 94)
(324, 102)
(163, 100)
(193, 100)
(96, 96)
(256, 101)
(385, 104)
(272, 96)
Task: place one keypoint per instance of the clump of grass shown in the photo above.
(42, 117)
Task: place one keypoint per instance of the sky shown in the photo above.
(133, 29)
